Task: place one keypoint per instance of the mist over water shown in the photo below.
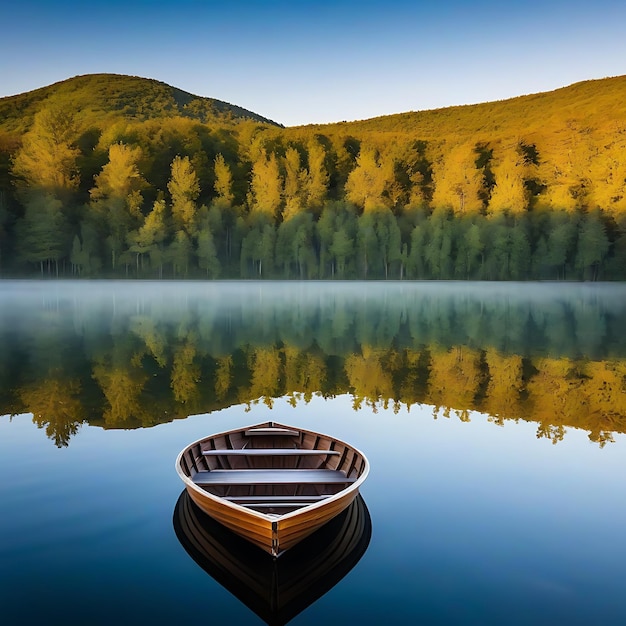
(591, 314)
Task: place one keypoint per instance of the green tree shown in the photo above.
(593, 245)
(179, 253)
(207, 252)
(42, 234)
(368, 248)
(342, 250)
(4, 221)
(258, 246)
(294, 246)
(416, 263)
(560, 243)
(149, 238)
(438, 245)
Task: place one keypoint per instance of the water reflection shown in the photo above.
(124, 355)
(275, 589)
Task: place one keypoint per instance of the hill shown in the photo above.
(589, 104)
(108, 175)
(106, 97)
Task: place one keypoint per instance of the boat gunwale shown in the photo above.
(352, 487)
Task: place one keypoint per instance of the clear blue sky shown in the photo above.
(308, 62)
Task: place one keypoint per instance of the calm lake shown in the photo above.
(493, 416)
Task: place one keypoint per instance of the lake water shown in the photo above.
(493, 416)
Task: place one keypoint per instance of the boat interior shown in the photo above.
(271, 468)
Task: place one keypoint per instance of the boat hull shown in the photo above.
(331, 471)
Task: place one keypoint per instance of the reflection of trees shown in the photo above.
(185, 372)
(454, 374)
(370, 377)
(265, 374)
(122, 387)
(56, 406)
(141, 366)
(505, 383)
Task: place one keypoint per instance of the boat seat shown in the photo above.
(271, 500)
(272, 430)
(271, 477)
(296, 504)
(267, 452)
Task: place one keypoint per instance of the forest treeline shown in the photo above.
(145, 182)
(555, 359)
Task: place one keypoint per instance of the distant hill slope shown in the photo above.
(594, 103)
(112, 96)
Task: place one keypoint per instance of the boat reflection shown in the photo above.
(276, 589)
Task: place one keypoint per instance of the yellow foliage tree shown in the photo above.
(266, 185)
(47, 158)
(509, 193)
(368, 182)
(458, 184)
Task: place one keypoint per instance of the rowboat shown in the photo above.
(272, 484)
(275, 589)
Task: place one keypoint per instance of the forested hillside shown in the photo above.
(105, 175)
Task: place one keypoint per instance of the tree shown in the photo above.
(184, 188)
(179, 253)
(560, 243)
(367, 242)
(342, 250)
(47, 158)
(416, 263)
(257, 246)
(295, 184)
(223, 182)
(4, 220)
(509, 193)
(266, 185)
(368, 182)
(458, 183)
(333, 218)
(317, 176)
(294, 246)
(150, 236)
(474, 250)
(438, 244)
(206, 252)
(42, 234)
(609, 176)
(593, 246)
(389, 238)
(116, 197)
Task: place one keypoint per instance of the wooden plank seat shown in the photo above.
(267, 452)
(272, 430)
(271, 477)
(271, 500)
(295, 504)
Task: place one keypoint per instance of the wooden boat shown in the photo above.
(272, 484)
(275, 589)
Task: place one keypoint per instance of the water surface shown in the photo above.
(493, 417)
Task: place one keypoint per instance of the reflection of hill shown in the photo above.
(127, 361)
